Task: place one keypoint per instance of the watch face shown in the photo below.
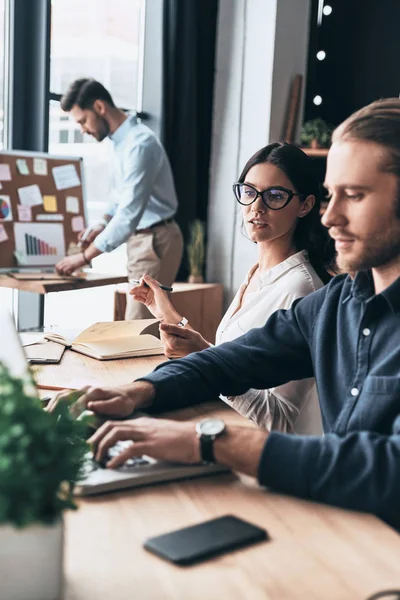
(211, 426)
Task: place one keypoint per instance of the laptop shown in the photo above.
(96, 479)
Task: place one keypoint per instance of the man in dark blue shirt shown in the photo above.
(347, 335)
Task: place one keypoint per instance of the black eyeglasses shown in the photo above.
(275, 197)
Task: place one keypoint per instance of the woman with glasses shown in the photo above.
(279, 196)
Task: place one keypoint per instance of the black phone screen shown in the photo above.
(199, 542)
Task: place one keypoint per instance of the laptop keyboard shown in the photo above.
(91, 465)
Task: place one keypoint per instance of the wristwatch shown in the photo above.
(207, 430)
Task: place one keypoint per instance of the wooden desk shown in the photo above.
(315, 552)
(77, 368)
(35, 304)
(60, 285)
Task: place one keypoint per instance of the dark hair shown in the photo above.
(83, 92)
(379, 123)
(309, 234)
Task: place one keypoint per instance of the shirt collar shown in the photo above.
(120, 133)
(362, 288)
(273, 274)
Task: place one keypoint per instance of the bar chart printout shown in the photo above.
(39, 244)
(35, 246)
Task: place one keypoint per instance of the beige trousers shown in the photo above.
(157, 253)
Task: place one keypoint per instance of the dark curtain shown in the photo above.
(189, 40)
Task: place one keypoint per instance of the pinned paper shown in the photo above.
(5, 173)
(24, 213)
(72, 204)
(3, 234)
(22, 166)
(50, 203)
(40, 166)
(5, 209)
(30, 195)
(50, 217)
(40, 243)
(77, 224)
(65, 177)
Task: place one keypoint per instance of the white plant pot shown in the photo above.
(31, 562)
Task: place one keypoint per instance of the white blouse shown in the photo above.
(294, 406)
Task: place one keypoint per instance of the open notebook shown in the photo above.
(114, 339)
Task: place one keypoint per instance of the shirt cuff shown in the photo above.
(101, 242)
(286, 461)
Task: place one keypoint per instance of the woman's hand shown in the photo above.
(180, 341)
(149, 293)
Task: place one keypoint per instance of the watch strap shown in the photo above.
(207, 449)
(87, 261)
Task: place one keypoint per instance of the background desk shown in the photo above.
(315, 553)
(46, 286)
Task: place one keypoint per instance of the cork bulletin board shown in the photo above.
(42, 208)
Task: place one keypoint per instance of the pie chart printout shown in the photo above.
(5, 209)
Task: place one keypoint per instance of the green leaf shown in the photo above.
(40, 453)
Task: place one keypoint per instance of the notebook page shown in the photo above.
(112, 330)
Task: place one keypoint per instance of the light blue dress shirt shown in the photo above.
(143, 185)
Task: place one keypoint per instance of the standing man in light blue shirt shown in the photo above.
(142, 209)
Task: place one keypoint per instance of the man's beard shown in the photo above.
(380, 251)
(103, 129)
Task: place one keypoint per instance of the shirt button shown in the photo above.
(366, 331)
(354, 392)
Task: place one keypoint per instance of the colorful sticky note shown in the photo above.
(50, 203)
(22, 166)
(3, 234)
(24, 213)
(77, 224)
(5, 209)
(72, 204)
(20, 256)
(5, 173)
(40, 166)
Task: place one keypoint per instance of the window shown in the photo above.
(2, 69)
(103, 40)
(6, 295)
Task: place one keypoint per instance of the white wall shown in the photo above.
(261, 45)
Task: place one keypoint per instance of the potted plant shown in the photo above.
(195, 250)
(41, 454)
(316, 133)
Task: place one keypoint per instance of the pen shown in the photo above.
(84, 236)
(53, 388)
(162, 287)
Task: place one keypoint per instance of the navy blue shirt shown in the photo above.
(349, 339)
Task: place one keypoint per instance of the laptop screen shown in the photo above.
(11, 351)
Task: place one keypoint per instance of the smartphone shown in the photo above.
(200, 542)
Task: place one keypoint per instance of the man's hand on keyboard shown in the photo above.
(116, 402)
(159, 438)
